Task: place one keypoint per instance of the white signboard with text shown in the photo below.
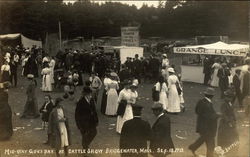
(202, 51)
(130, 36)
(218, 48)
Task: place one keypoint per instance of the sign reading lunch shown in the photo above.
(238, 52)
(130, 36)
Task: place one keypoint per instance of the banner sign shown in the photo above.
(130, 36)
(203, 51)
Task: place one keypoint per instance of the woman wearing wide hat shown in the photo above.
(174, 105)
(126, 99)
(112, 96)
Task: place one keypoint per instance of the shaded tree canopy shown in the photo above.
(87, 19)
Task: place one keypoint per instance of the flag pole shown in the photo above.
(60, 35)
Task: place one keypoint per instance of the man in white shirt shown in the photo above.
(165, 61)
(96, 85)
(16, 58)
(7, 57)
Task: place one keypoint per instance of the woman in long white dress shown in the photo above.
(130, 97)
(174, 105)
(112, 97)
(214, 78)
(52, 66)
(161, 86)
(106, 81)
(46, 81)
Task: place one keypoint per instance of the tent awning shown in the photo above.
(218, 48)
(9, 36)
(24, 40)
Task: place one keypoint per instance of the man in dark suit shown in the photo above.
(236, 84)
(223, 74)
(246, 90)
(86, 117)
(246, 84)
(13, 69)
(128, 63)
(161, 132)
(206, 123)
(135, 134)
(137, 68)
(124, 73)
(207, 69)
(154, 65)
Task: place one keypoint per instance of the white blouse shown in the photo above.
(5, 67)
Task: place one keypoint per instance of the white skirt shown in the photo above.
(164, 100)
(64, 134)
(112, 102)
(128, 114)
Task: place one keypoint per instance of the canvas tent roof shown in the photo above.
(218, 48)
(27, 42)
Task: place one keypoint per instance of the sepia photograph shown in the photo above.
(117, 78)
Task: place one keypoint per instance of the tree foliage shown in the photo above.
(84, 18)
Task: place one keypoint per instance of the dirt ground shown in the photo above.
(28, 137)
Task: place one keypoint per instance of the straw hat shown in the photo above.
(209, 91)
(30, 76)
(157, 106)
(171, 70)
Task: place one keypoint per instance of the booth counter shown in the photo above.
(194, 73)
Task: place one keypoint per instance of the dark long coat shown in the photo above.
(223, 78)
(53, 130)
(31, 106)
(161, 135)
(137, 67)
(134, 135)
(154, 65)
(207, 118)
(6, 129)
(85, 114)
(246, 84)
(236, 83)
(227, 133)
(32, 66)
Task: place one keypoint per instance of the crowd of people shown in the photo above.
(119, 98)
(218, 73)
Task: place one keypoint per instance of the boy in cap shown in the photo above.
(135, 133)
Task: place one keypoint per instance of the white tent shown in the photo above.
(26, 42)
(218, 48)
(126, 51)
